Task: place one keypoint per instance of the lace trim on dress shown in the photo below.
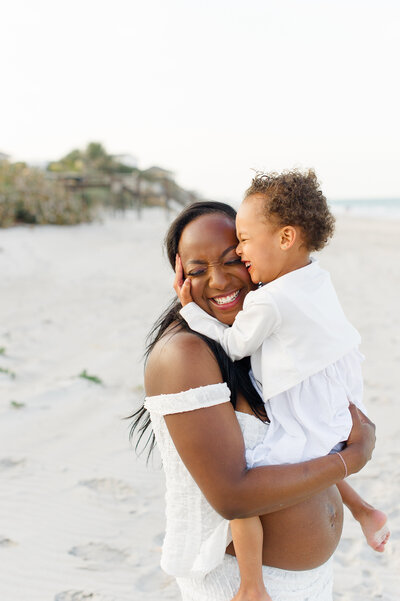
(188, 400)
(222, 583)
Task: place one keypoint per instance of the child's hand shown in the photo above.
(181, 286)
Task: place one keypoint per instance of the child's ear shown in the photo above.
(287, 237)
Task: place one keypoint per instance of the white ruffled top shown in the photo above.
(196, 535)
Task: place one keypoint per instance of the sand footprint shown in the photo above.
(80, 596)
(347, 548)
(8, 462)
(117, 489)
(153, 580)
(159, 539)
(6, 542)
(99, 555)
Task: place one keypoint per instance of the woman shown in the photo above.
(193, 390)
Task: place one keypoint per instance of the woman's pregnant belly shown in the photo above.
(304, 536)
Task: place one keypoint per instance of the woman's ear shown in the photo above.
(287, 237)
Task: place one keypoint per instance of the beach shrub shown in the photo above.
(28, 195)
(73, 189)
(93, 159)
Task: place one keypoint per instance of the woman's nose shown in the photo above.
(218, 278)
(239, 249)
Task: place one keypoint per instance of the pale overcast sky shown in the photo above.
(209, 89)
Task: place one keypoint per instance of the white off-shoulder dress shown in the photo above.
(196, 535)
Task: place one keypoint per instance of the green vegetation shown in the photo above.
(8, 372)
(27, 195)
(2, 350)
(94, 159)
(17, 405)
(72, 189)
(86, 376)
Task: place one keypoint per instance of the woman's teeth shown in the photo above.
(224, 300)
(247, 264)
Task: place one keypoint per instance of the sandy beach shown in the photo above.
(81, 517)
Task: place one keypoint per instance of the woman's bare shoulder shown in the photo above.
(180, 360)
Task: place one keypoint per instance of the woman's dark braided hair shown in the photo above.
(235, 374)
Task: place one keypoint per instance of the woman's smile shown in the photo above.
(219, 281)
(227, 301)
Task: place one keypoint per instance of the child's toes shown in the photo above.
(381, 542)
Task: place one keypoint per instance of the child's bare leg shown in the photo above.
(371, 520)
(247, 537)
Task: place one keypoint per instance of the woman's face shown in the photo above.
(219, 280)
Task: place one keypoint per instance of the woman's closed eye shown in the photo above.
(202, 271)
(197, 272)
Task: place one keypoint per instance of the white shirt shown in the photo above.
(293, 327)
(304, 355)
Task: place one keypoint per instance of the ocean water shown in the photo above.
(374, 208)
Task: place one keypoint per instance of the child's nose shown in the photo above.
(239, 249)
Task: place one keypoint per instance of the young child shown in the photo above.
(303, 350)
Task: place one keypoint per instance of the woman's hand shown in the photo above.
(181, 286)
(361, 441)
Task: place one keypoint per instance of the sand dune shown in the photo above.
(81, 518)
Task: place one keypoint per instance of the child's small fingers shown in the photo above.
(179, 267)
(186, 296)
(178, 281)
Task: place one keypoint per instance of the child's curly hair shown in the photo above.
(295, 198)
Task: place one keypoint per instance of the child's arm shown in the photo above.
(251, 326)
(259, 318)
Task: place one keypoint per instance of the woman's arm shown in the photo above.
(210, 443)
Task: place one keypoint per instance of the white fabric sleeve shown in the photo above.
(188, 400)
(259, 318)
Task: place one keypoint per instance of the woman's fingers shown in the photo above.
(364, 419)
(357, 414)
(361, 438)
(354, 412)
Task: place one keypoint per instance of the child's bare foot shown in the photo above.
(251, 595)
(374, 525)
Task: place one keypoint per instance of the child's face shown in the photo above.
(260, 244)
